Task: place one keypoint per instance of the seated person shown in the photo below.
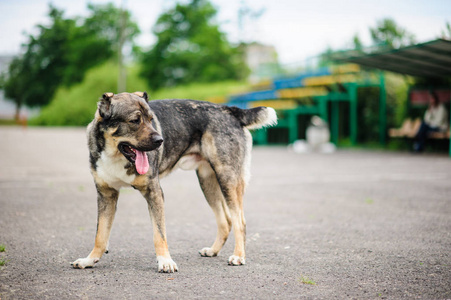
(435, 120)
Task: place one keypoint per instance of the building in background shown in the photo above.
(262, 61)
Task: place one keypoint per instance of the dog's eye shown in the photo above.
(136, 121)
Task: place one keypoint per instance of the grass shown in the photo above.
(369, 201)
(213, 92)
(3, 262)
(7, 122)
(305, 280)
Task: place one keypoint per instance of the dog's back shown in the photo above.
(208, 114)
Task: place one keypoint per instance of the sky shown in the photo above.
(298, 29)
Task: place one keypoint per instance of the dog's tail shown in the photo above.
(255, 118)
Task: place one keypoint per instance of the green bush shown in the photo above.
(76, 106)
(214, 92)
(368, 107)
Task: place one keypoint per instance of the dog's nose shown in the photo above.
(157, 140)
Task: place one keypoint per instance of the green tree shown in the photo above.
(326, 57)
(96, 40)
(446, 33)
(61, 53)
(357, 43)
(104, 21)
(387, 33)
(15, 84)
(34, 76)
(190, 47)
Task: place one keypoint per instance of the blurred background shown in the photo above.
(304, 58)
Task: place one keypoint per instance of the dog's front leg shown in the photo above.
(155, 202)
(106, 209)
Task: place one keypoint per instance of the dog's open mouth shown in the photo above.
(135, 156)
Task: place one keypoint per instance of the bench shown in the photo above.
(419, 98)
(409, 129)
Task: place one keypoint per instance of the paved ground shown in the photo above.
(364, 225)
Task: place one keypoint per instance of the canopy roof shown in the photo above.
(431, 59)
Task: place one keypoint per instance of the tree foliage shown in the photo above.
(446, 33)
(76, 105)
(388, 33)
(61, 53)
(190, 47)
(15, 85)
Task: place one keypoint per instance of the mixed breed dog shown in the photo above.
(135, 142)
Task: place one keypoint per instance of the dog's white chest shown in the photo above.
(112, 171)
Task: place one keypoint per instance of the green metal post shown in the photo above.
(334, 121)
(322, 104)
(292, 126)
(261, 136)
(353, 112)
(382, 109)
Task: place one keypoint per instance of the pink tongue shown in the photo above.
(141, 162)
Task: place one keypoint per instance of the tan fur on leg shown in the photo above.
(239, 226)
(106, 209)
(154, 197)
(213, 194)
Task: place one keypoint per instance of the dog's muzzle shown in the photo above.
(157, 140)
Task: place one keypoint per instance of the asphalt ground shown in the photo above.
(348, 225)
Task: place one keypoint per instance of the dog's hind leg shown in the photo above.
(106, 209)
(213, 194)
(232, 187)
(229, 163)
(233, 193)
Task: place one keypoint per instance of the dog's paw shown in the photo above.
(82, 263)
(166, 265)
(207, 252)
(236, 260)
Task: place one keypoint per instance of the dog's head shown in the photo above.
(127, 122)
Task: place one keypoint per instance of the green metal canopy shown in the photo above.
(431, 59)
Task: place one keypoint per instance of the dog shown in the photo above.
(135, 142)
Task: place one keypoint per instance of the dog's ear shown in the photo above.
(107, 96)
(104, 106)
(142, 95)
